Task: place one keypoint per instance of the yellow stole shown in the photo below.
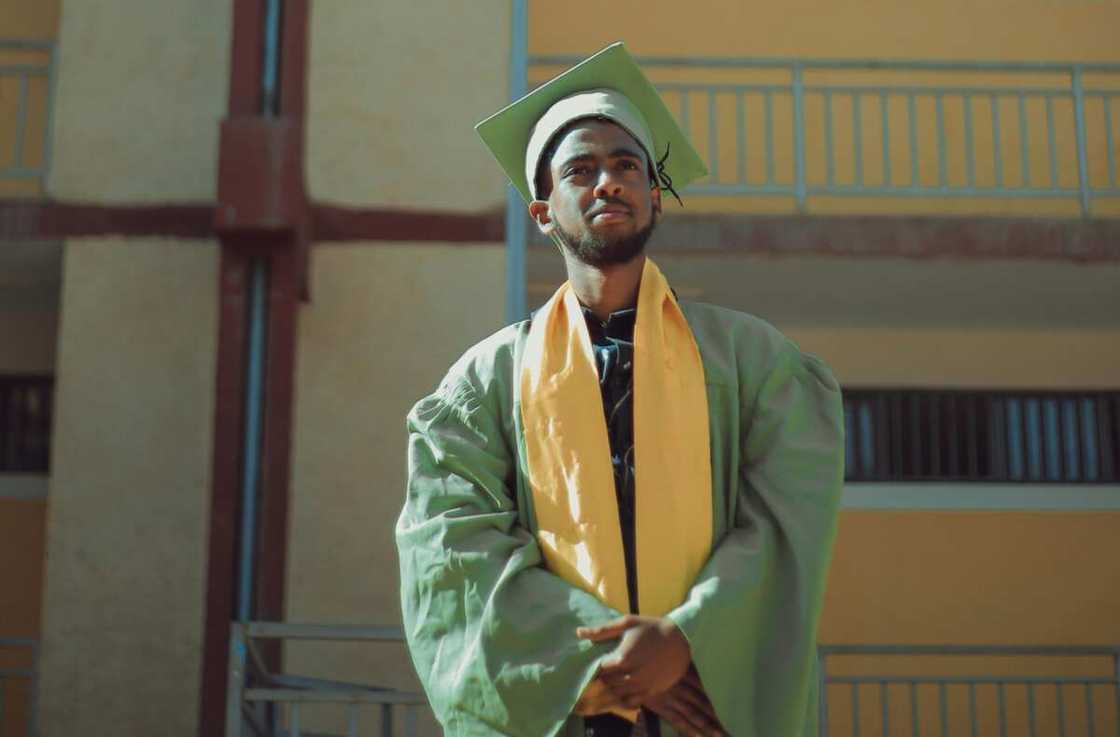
(568, 453)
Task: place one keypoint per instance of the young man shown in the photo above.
(619, 513)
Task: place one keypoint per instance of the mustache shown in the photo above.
(603, 203)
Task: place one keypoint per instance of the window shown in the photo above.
(25, 423)
(981, 436)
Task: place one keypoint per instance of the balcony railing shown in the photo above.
(909, 690)
(884, 129)
(261, 703)
(28, 70)
(969, 691)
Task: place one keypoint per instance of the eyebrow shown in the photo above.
(620, 152)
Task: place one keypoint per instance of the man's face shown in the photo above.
(602, 204)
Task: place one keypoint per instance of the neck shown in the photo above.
(605, 289)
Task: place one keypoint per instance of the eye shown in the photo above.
(576, 171)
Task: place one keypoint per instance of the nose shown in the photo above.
(609, 184)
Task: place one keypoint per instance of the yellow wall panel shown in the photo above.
(980, 359)
(22, 545)
(974, 577)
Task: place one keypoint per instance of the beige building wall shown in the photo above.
(386, 323)
(129, 489)
(395, 90)
(141, 91)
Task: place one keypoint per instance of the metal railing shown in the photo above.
(884, 690)
(265, 704)
(27, 127)
(17, 649)
(970, 690)
(895, 136)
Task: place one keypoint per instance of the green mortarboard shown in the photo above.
(608, 84)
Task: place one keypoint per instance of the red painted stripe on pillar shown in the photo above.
(272, 536)
(225, 482)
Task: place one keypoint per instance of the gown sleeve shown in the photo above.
(751, 618)
(491, 632)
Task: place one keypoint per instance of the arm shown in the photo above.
(490, 631)
(751, 616)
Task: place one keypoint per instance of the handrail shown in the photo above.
(832, 63)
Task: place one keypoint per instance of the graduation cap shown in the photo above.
(608, 84)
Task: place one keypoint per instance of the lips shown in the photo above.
(611, 212)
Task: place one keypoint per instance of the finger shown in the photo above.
(696, 700)
(680, 724)
(696, 704)
(607, 631)
(669, 714)
(631, 692)
(683, 720)
(635, 695)
(615, 667)
(691, 690)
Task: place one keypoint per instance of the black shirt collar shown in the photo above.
(619, 325)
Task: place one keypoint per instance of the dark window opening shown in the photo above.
(982, 436)
(25, 423)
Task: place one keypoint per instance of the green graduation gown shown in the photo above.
(491, 631)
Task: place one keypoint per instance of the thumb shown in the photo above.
(608, 631)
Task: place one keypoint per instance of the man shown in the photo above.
(620, 512)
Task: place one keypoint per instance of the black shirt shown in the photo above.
(612, 342)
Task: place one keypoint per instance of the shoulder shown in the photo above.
(748, 352)
(744, 342)
(486, 368)
(714, 323)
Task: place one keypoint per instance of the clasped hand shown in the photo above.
(650, 667)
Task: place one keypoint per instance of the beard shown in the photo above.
(599, 251)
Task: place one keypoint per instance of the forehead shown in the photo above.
(597, 137)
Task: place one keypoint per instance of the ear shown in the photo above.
(541, 212)
(655, 195)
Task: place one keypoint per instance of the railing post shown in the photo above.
(48, 134)
(33, 707)
(1116, 685)
(799, 138)
(1082, 152)
(822, 693)
(236, 685)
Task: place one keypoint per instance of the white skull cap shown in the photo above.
(598, 103)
